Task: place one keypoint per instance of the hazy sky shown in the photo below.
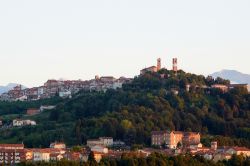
(77, 39)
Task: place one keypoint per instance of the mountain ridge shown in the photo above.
(8, 87)
(233, 75)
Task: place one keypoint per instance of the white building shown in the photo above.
(47, 107)
(65, 94)
(93, 142)
(102, 141)
(58, 145)
(29, 123)
(107, 141)
(41, 155)
(100, 149)
(22, 98)
(19, 123)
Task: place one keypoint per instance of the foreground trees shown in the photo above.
(153, 160)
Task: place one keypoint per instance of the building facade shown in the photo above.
(11, 153)
(174, 139)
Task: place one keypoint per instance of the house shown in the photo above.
(192, 139)
(98, 156)
(22, 98)
(75, 156)
(40, 91)
(58, 145)
(221, 87)
(152, 69)
(104, 141)
(11, 153)
(214, 145)
(209, 155)
(28, 155)
(29, 123)
(47, 107)
(65, 94)
(245, 86)
(119, 144)
(19, 123)
(56, 157)
(107, 79)
(107, 141)
(41, 155)
(113, 154)
(239, 151)
(100, 149)
(93, 142)
(32, 93)
(221, 156)
(32, 111)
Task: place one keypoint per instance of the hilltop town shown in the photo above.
(63, 89)
(160, 111)
(67, 88)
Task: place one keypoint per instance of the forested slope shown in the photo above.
(154, 101)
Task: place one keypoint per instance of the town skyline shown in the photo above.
(81, 39)
(91, 75)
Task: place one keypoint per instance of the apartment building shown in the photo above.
(11, 153)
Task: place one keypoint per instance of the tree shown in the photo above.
(91, 159)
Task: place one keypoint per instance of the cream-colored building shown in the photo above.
(41, 155)
(173, 138)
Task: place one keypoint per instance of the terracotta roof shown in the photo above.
(12, 150)
(11, 145)
(178, 132)
(241, 149)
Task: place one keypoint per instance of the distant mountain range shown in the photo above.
(233, 75)
(8, 87)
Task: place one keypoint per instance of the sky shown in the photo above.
(78, 39)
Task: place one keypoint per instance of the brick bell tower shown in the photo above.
(175, 65)
(158, 64)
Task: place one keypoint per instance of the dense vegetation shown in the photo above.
(149, 103)
(153, 160)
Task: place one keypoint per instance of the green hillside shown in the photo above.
(149, 103)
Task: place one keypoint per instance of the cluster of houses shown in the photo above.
(27, 122)
(16, 153)
(222, 87)
(178, 142)
(63, 88)
(66, 88)
(171, 143)
(21, 123)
